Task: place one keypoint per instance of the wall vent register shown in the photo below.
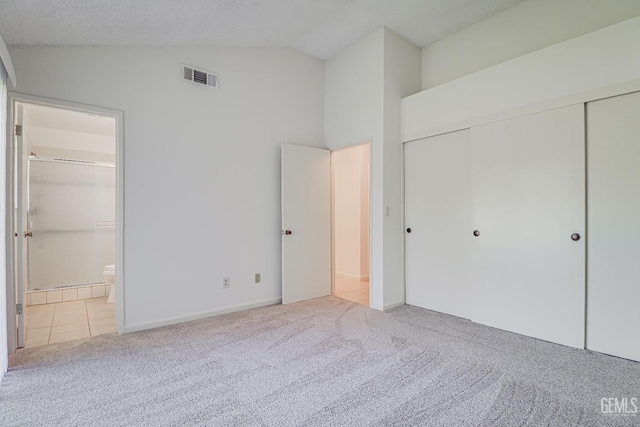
(200, 77)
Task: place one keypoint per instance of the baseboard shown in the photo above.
(392, 306)
(202, 315)
(352, 276)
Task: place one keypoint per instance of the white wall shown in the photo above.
(401, 79)
(525, 28)
(599, 64)
(365, 210)
(354, 113)
(363, 87)
(201, 167)
(4, 125)
(351, 211)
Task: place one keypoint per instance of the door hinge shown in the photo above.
(18, 130)
(18, 308)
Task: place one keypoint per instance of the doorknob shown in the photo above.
(476, 233)
(575, 237)
(408, 230)
(28, 234)
(287, 232)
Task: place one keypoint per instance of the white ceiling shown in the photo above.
(320, 28)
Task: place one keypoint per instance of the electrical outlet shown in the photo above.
(257, 278)
(226, 282)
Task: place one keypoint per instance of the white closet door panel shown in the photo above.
(528, 192)
(438, 211)
(613, 286)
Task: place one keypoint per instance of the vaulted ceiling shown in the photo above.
(319, 28)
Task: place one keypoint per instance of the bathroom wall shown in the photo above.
(351, 212)
(52, 132)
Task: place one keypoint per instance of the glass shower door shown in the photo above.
(71, 215)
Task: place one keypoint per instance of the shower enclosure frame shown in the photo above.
(15, 290)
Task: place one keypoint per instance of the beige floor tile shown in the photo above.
(37, 333)
(68, 336)
(67, 319)
(70, 327)
(37, 309)
(38, 322)
(70, 305)
(97, 301)
(100, 309)
(106, 321)
(352, 290)
(103, 330)
(41, 315)
(101, 314)
(34, 342)
(70, 311)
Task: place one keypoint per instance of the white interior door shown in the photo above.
(21, 223)
(528, 192)
(438, 215)
(306, 223)
(613, 183)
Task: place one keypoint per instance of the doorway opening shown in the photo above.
(351, 212)
(67, 209)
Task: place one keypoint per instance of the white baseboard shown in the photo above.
(202, 315)
(392, 306)
(352, 276)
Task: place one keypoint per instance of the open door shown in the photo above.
(21, 224)
(306, 223)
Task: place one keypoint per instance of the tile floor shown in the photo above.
(65, 321)
(352, 290)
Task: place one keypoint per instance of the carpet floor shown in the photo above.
(324, 362)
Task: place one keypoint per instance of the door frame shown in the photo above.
(12, 285)
(333, 212)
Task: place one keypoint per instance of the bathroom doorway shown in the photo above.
(67, 205)
(351, 211)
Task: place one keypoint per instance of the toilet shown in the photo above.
(109, 273)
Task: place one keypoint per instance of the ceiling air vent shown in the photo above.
(200, 77)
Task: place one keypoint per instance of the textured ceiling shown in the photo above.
(320, 28)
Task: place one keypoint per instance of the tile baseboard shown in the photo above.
(72, 293)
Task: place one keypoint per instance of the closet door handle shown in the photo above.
(575, 237)
(409, 230)
(476, 233)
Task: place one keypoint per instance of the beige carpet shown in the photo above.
(321, 362)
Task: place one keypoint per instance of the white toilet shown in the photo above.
(110, 276)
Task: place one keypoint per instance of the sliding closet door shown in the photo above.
(528, 192)
(613, 287)
(438, 215)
